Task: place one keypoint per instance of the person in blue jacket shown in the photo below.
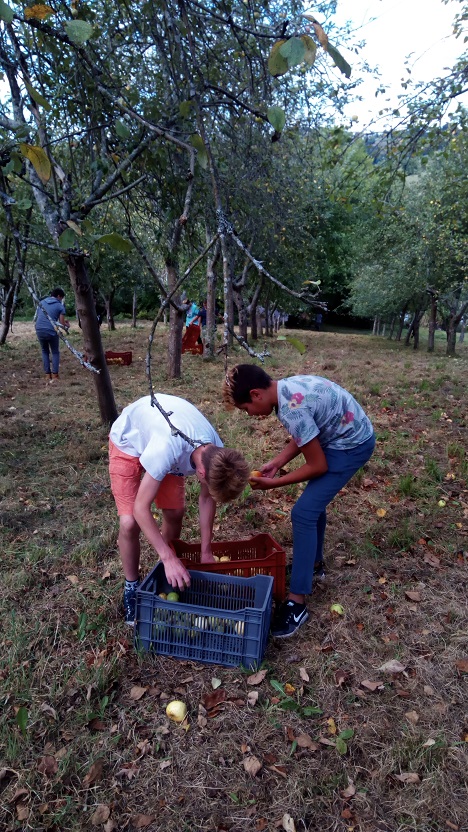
(47, 334)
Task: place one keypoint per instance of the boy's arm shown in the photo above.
(314, 466)
(207, 511)
(286, 455)
(176, 572)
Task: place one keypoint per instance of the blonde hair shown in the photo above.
(226, 473)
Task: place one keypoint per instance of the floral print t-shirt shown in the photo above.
(310, 406)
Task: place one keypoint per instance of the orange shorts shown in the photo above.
(125, 476)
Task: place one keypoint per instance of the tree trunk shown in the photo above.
(176, 325)
(242, 313)
(7, 316)
(432, 323)
(461, 337)
(211, 277)
(392, 327)
(401, 323)
(109, 300)
(134, 309)
(92, 342)
(375, 328)
(417, 321)
(451, 338)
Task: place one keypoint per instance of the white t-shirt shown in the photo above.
(142, 431)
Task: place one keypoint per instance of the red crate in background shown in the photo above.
(123, 358)
(258, 555)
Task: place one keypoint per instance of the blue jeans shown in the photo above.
(309, 516)
(49, 342)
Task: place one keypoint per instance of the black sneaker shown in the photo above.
(319, 571)
(129, 603)
(288, 618)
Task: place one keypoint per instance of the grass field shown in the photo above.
(334, 740)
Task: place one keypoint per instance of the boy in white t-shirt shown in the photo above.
(148, 462)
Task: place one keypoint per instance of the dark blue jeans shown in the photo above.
(49, 342)
(309, 516)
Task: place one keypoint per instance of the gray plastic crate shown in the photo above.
(219, 619)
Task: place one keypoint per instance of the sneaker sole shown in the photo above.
(288, 635)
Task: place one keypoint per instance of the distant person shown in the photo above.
(318, 321)
(200, 320)
(148, 463)
(336, 438)
(47, 333)
(191, 312)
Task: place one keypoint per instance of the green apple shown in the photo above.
(172, 596)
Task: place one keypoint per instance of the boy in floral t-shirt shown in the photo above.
(330, 429)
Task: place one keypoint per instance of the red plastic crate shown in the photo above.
(258, 555)
(123, 358)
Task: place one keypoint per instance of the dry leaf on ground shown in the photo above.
(140, 821)
(462, 665)
(303, 674)
(288, 823)
(252, 765)
(393, 666)
(412, 716)
(350, 790)
(412, 595)
(100, 815)
(252, 697)
(94, 773)
(48, 765)
(306, 741)
(137, 692)
(368, 684)
(256, 678)
(408, 777)
(211, 700)
(22, 811)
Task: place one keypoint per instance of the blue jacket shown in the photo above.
(55, 308)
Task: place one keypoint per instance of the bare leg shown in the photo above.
(172, 523)
(129, 546)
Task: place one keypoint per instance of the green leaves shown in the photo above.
(277, 64)
(202, 157)
(295, 342)
(6, 13)
(37, 97)
(22, 719)
(293, 50)
(185, 108)
(79, 31)
(67, 239)
(338, 60)
(115, 241)
(340, 741)
(121, 129)
(277, 118)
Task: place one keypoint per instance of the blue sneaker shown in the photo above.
(129, 603)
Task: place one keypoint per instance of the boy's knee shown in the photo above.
(129, 526)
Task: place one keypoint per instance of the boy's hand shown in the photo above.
(270, 469)
(262, 483)
(176, 573)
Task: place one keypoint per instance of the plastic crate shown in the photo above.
(258, 555)
(219, 619)
(123, 358)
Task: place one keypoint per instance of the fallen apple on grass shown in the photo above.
(176, 710)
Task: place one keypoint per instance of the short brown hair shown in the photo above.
(240, 381)
(226, 473)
